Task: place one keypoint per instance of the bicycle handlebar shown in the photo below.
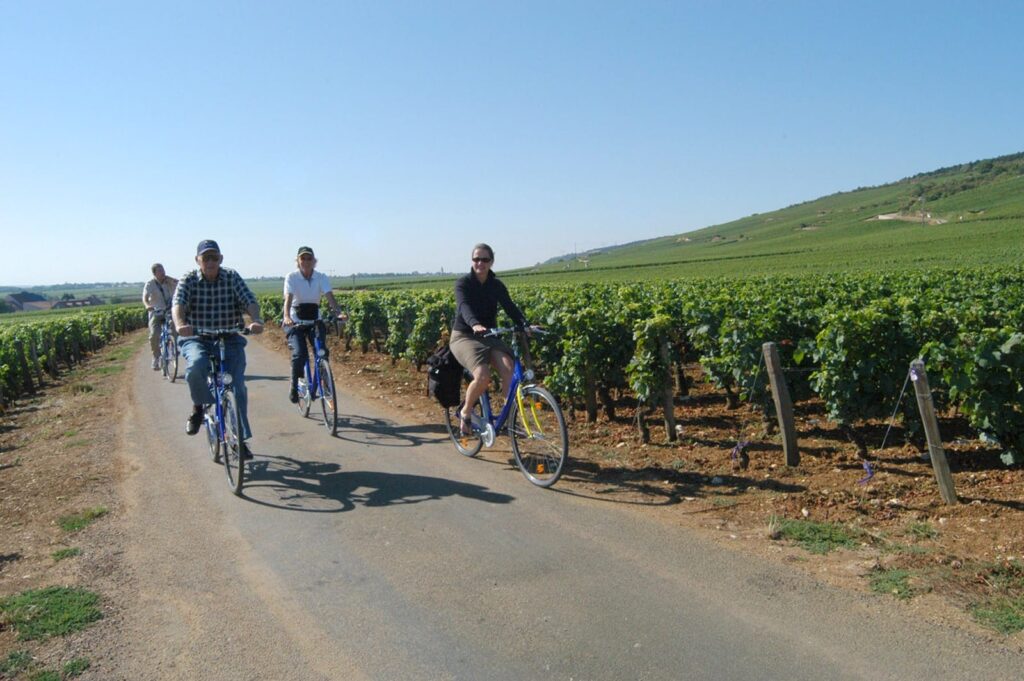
(498, 330)
(214, 334)
(321, 318)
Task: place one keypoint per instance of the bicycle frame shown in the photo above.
(313, 373)
(216, 381)
(513, 391)
(512, 396)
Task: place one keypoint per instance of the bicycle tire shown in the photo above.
(172, 368)
(540, 440)
(212, 436)
(328, 397)
(305, 401)
(465, 444)
(233, 463)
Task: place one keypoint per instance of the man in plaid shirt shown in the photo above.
(213, 298)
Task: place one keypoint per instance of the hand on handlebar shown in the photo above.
(255, 328)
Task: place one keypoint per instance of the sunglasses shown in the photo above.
(210, 257)
(481, 259)
(305, 257)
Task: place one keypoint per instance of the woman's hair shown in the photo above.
(480, 247)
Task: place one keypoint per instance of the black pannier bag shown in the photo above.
(444, 377)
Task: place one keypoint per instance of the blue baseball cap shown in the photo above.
(207, 245)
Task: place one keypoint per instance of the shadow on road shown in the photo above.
(319, 487)
(383, 433)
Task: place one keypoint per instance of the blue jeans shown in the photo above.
(199, 353)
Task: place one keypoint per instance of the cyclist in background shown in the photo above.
(477, 296)
(156, 296)
(208, 298)
(303, 289)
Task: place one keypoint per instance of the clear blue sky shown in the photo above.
(392, 136)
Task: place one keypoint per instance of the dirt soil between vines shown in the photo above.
(57, 458)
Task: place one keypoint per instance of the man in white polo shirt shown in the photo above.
(303, 289)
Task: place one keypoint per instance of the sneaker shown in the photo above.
(195, 419)
(293, 395)
(156, 363)
(244, 453)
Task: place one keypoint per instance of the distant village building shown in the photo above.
(33, 302)
(78, 302)
(25, 301)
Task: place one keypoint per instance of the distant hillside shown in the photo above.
(970, 214)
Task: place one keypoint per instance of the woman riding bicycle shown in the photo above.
(303, 289)
(477, 296)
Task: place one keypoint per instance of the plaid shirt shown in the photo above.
(214, 304)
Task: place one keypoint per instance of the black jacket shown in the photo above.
(477, 303)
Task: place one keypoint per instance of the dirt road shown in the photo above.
(383, 554)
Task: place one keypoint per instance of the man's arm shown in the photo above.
(146, 296)
(253, 310)
(178, 314)
(286, 313)
(335, 308)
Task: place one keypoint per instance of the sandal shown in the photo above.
(466, 424)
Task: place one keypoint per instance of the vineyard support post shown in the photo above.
(590, 396)
(33, 352)
(26, 377)
(668, 394)
(931, 429)
(783, 403)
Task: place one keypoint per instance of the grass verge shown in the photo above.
(61, 554)
(78, 521)
(53, 611)
(814, 536)
(895, 582)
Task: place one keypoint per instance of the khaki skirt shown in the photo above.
(473, 351)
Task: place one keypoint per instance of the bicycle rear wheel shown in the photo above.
(233, 463)
(328, 398)
(540, 442)
(467, 444)
(304, 398)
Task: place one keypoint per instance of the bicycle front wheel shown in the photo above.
(468, 444)
(169, 359)
(540, 442)
(232, 454)
(212, 436)
(304, 398)
(172, 368)
(328, 398)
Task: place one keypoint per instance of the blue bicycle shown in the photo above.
(168, 350)
(223, 419)
(531, 415)
(318, 382)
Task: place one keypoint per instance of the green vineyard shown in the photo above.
(30, 350)
(847, 340)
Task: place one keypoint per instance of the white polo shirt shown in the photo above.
(305, 291)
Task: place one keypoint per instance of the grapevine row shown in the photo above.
(31, 349)
(848, 340)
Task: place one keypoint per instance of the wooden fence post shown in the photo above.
(931, 429)
(783, 403)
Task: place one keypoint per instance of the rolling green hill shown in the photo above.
(971, 214)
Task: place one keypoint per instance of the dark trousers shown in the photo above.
(298, 339)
